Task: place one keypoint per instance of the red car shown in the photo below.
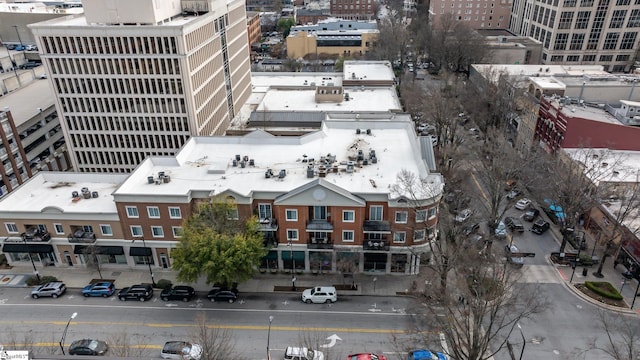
(367, 356)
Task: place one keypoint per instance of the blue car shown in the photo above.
(426, 355)
(104, 289)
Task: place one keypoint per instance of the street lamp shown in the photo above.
(144, 244)
(575, 264)
(524, 341)
(35, 271)
(269, 337)
(64, 333)
(293, 267)
(19, 39)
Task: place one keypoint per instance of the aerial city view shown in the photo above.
(320, 179)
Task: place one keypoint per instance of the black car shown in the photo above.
(470, 229)
(514, 224)
(224, 295)
(179, 292)
(139, 292)
(88, 347)
(531, 214)
(540, 226)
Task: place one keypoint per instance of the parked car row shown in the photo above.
(174, 350)
(143, 292)
(139, 292)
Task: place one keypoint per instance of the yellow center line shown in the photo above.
(486, 198)
(229, 327)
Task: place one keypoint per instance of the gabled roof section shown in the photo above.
(320, 192)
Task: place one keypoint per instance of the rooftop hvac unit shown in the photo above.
(150, 180)
(282, 174)
(252, 162)
(243, 164)
(237, 157)
(94, 194)
(84, 190)
(158, 182)
(74, 194)
(268, 174)
(245, 158)
(160, 174)
(310, 171)
(358, 131)
(166, 179)
(86, 195)
(368, 131)
(234, 163)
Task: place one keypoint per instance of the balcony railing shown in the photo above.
(320, 243)
(382, 245)
(81, 236)
(268, 224)
(36, 235)
(319, 225)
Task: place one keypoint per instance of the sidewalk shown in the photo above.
(368, 283)
(614, 276)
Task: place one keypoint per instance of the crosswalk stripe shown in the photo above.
(540, 274)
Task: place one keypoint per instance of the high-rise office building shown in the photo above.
(138, 78)
(603, 32)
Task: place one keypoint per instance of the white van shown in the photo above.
(302, 353)
(320, 294)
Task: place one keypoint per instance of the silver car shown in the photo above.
(181, 350)
(50, 289)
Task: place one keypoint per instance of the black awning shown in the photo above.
(101, 250)
(30, 248)
(139, 251)
(373, 226)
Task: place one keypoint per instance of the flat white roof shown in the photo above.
(51, 191)
(25, 102)
(548, 83)
(368, 70)
(586, 112)
(367, 99)
(622, 166)
(262, 81)
(205, 163)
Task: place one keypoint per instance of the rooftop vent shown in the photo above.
(74, 194)
(282, 174)
(268, 174)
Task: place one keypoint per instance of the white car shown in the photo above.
(302, 353)
(523, 203)
(319, 295)
(501, 230)
(463, 215)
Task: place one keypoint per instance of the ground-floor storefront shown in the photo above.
(282, 258)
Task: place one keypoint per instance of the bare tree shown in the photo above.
(217, 343)
(394, 36)
(487, 306)
(622, 336)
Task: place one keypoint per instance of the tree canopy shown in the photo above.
(219, 245)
